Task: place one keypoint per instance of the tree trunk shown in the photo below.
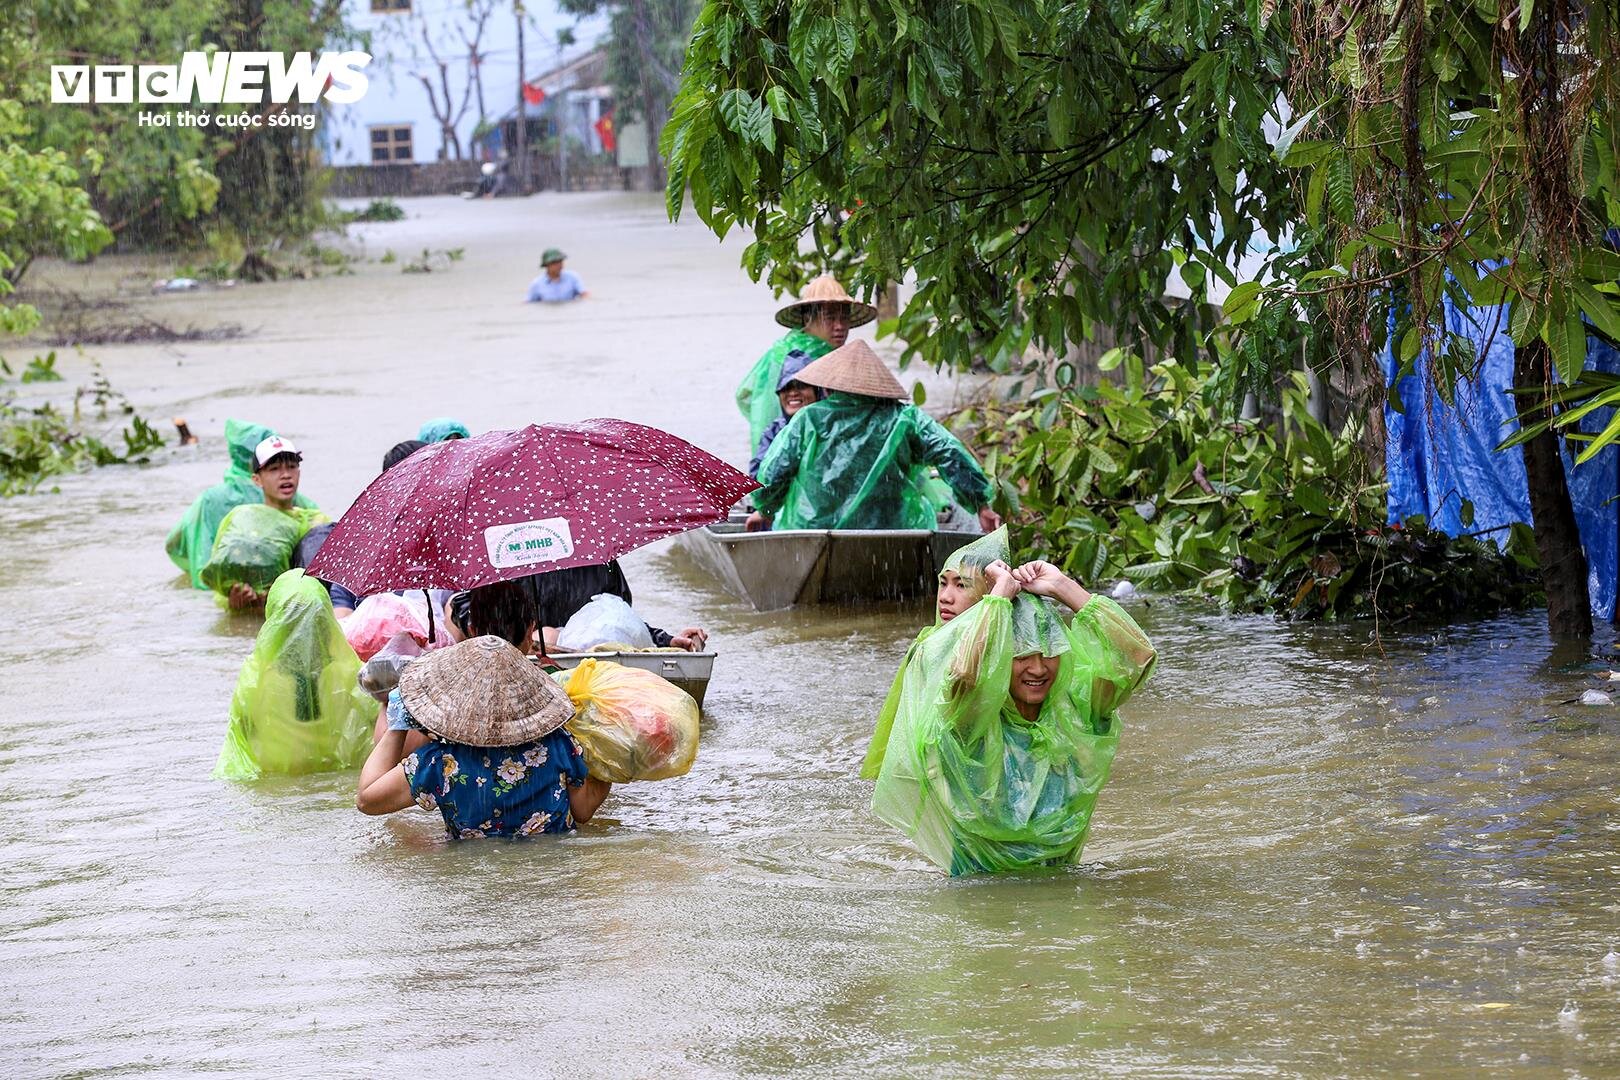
(1563, 561)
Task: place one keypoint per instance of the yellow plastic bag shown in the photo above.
(632, 724)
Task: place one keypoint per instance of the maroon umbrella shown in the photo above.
(506, 504)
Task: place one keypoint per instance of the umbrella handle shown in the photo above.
(431, 630)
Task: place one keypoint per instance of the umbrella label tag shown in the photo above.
(525, 543)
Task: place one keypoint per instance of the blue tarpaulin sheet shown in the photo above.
(1438, 455)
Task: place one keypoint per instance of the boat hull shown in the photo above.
(689, 671)
(777, 569)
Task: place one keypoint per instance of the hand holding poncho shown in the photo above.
(298, 706)
(971, 782)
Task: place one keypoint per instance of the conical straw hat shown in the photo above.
(483, 692)
(855, 369)
(825, 290)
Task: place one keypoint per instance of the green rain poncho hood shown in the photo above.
(298, 707)
(968, 562)
(756, 394)
(191, 541)
(971, 782)
(854, 462)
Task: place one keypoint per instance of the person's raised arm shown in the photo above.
(1117, 655)
(957, 467)
(1044, 579)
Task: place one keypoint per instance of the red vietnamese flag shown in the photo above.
(604, 128)
(533, 93)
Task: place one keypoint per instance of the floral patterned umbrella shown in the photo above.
(506, 504)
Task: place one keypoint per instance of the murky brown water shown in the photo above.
(1311, 860)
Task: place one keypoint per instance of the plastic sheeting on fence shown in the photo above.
(1439, 455)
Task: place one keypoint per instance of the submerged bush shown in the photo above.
(41, 441)
(1154, 481)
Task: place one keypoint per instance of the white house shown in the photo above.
(438, 66)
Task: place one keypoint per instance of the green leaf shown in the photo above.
(778, 99)
(1285, 141)
(1600, 309)
(736, 108)
(1565, 334)
(1242, 303)
(919, 393)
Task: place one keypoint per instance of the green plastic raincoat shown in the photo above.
(298, 707)
(966, 777)
(192, 540)
(756, 394)
(967, 562)
(852, 462)
(255, 546)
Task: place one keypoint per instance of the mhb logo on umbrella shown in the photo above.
(528, 542)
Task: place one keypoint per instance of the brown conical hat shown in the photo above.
(483, 692)
(855, 369)
(825, 290)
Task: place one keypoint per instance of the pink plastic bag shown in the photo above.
(379, 618)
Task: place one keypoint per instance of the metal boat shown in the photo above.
(688, 670)
(779, 568)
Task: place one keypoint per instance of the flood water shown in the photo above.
(1315, 857)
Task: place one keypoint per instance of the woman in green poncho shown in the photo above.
(1008, 723)
(192, 540)
(961, 585)
(298, 706)
(857, 458)
(817, 323)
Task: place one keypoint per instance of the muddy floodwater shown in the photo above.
(1314, 858)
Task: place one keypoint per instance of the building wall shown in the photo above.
(396, 99)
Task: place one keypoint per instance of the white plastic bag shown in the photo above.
(605, 620)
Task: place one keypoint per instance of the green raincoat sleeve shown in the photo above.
(781, 465)
(956, 464)
(756, 394)
(298, 706)
(969, 780)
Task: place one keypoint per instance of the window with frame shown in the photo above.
(391, 142)
(390, 7)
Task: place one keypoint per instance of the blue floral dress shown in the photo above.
(499, 790)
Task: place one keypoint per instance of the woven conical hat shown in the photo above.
(855, 369)
(483, 692)
(825, 290)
